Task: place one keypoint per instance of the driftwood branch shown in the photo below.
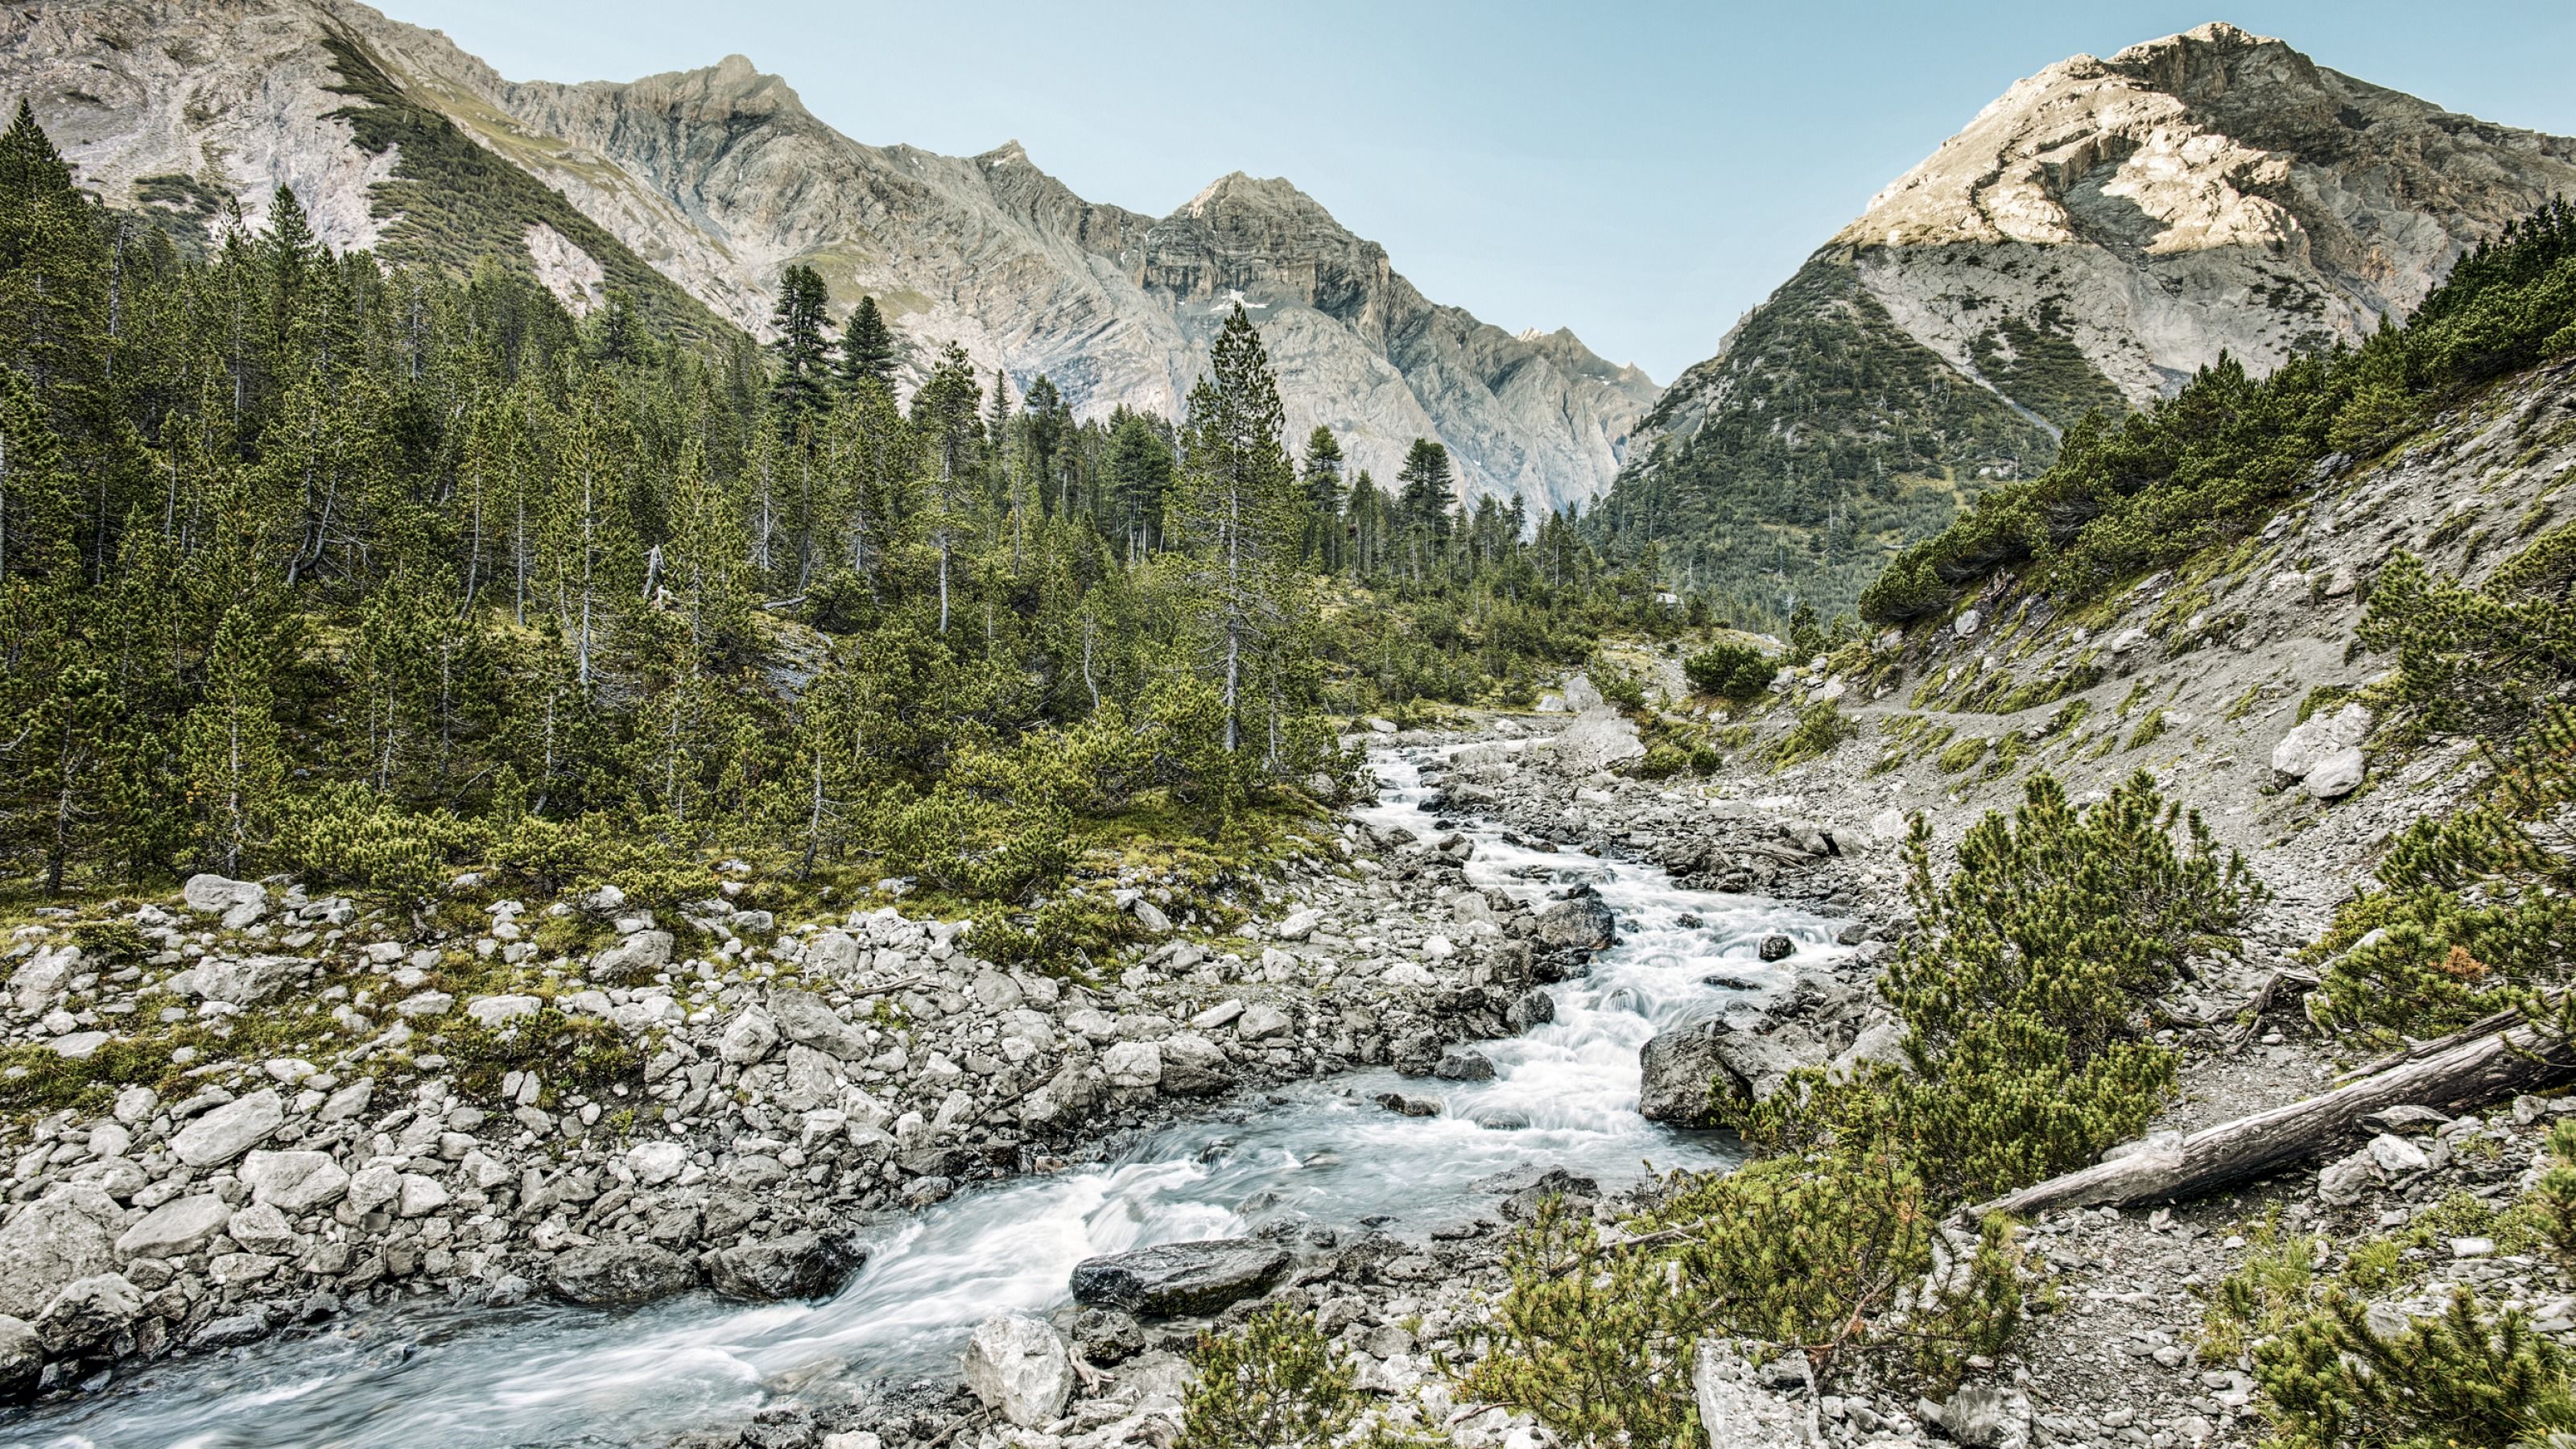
(2458, 1072)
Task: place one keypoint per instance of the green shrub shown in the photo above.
(2022, 990)
(345, 833)
(1820, 727)
(1662, 762)
(1738, 672)
(2476, 659)
(2470, 911)
(2461, 1379)
(1277, 1384)
(1964, 755)
(2554, 1196)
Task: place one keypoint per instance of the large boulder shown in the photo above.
(808, 1020)
(608, 1274)
(1180, 1279)
(1020, 1369)
(176, 1228)
(22, 1360)
(638, 956)
(241, 980)
(1686, 1072)
(240, 902)
(1582, 923)
(2336, 774)
(770, 1270)
(1682, 1078)
(1193, 1066)
(88, 1311)
(2324, 735)
(56, 1240)
(230, 1130)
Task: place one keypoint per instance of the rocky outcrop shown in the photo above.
(2098, 233)
(719, 177)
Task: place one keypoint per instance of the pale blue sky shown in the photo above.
(1639, 172)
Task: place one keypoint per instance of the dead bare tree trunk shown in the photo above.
(2496, 1059)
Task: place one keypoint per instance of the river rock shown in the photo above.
(1533, 1007)
(229, 1130)
(770, 1270)
(176, 1228)
(58, 1239)
(1262, 1021)
(609, 1274)
(1193, 1066)
(293, 1182)
(1776, 948)
(1580, 924)
(1681, 1074)
(655, 1163)
(1464, 1064)
(87, 1311)
(1020, 1369)
(1180, 1279)
(1132, 1064)
(22, 1360)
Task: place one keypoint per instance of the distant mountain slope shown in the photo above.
(2095, 235)
(717, 178)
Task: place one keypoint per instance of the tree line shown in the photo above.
(310, 563)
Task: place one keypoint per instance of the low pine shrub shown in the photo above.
(2465, 1378)
(1737, 672)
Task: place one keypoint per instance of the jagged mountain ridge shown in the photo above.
(719, 177)
(2095, 235)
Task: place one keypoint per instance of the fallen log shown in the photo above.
(2462, 1073)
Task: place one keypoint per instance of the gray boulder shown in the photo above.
(1020, 1369)
(1180, 1279)
(176, 1228)
(2324, 735)
(56, 1240)
(22, 1360)
(639, 955)
(610, 1274)
(1464, 1064)
(1580, 924)
(1193, 1066)
(239, 901)
(242, 980)
(88, 1311)
(1531, 1008)
(809, 1020)
(229, 1130)
(770, 1270)
(1682, 1076)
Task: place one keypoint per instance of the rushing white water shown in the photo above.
(1319, 1152)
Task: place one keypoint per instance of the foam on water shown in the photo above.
(1319, 1152)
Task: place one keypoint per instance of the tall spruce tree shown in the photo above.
(801, 389)
(867, 348)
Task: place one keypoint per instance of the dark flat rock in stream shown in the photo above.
(620, 1274)
(1180, 1279)
(772, 1270)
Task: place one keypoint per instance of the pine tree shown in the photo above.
(1323, 488)
(1422, 501)
(235, 762)
(800, 390)
(944, 413)
(867, 348)
(1236, 505)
